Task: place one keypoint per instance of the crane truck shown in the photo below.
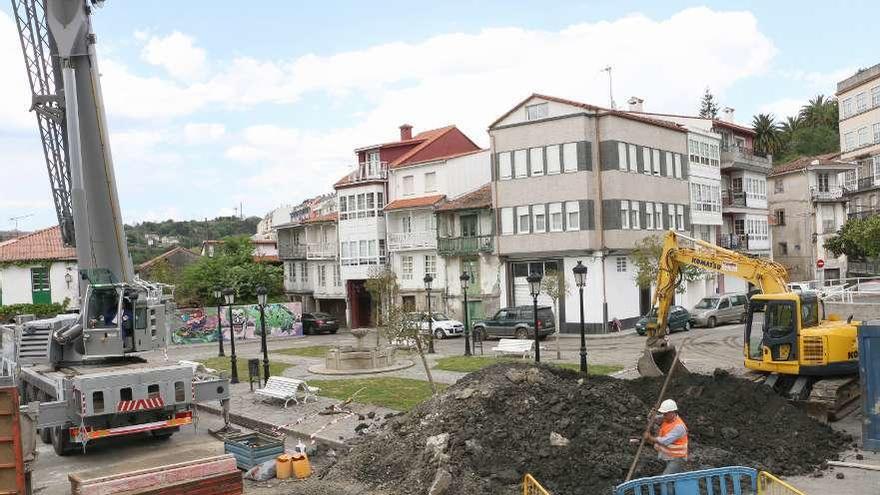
(86, 369)
(787, 340)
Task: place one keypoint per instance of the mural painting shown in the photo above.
(199, 325)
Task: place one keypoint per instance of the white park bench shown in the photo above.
(287, 389)
(514, 347)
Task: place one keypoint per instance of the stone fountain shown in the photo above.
(360, 358)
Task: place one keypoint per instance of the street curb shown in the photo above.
(265, 427)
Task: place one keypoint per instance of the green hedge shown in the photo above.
(8, 313)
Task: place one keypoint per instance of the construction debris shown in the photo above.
(516, 418)
(208, 476)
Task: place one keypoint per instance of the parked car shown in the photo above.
(442, 325)
(713, 310)
(319, 323)
(517, 322)
(679, 319)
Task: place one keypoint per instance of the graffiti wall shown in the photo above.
(199, 325)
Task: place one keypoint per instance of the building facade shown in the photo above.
(858, 97)
(808, 205)
(37, 268)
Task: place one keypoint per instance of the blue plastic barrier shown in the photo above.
(732, 480)
(869, 371)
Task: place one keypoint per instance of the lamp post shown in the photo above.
(428, 281)
(218, 295)
(580, 278)
(534, 280)
(229, 295)
(262, 296)
(465, 282)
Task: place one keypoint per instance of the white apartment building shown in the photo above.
(859, 99)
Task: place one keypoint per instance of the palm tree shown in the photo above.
(819, 112)
(790, 125)
(766, 134)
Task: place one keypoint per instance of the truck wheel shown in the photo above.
(164, 434)
(711, 322)
(61, 441)
(46, 435)
(521, 333)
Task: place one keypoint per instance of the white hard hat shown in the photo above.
(668, 405)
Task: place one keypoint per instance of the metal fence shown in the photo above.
(532, 487)
(771, 485)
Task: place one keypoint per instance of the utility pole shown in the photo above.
(16, 219)
(610, 93)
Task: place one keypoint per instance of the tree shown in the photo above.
(708, 107)
(383, 288)
(766, 134)
(646, 258)
(555, 286)
(819, 112)
(859, 238)
(400, 325)
(162, 272)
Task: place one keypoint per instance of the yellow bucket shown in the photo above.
(301, 466)
(282, 466)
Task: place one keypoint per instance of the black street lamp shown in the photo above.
(218, 295)
(534, 280)
(465, 282)
(262, 296)
(428, 281)
(580, 279)
(229, 295)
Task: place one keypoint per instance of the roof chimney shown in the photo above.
(405, 132)
(728, 115)
(635, 104)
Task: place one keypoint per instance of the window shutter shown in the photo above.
(544, 160)
(512, 164)
(496, 172)
(684, 165)
(610, 156)
(546, 217)
(640, 158)
(528, 163)
(642, 214)
(663, 163)
(585, 158)
(611, 214)
(515, 221)
(531, 221)
(586, 208)
(687, 217)
(564, 218)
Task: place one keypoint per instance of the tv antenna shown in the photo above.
(610, 94)
(20, 217)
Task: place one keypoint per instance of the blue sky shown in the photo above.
(213, 103)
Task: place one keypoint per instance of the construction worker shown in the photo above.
(672, 442)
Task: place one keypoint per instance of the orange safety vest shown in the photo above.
(678, 448)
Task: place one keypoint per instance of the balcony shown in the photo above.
(735, 199)
(865, 183)
(321, 251)
(863, 213)
(291, 251)
(737, 157)
(367, 172)
(743, 242)
(831, 193)
(401, 241)
(463, 246)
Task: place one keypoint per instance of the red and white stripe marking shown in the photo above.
(82, 435)
(140, 404)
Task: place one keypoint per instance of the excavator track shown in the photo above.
(825, 399)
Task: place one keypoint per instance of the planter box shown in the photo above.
(252, 449)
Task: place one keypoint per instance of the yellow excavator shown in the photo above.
(800, 352)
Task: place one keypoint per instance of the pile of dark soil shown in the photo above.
(481, 435)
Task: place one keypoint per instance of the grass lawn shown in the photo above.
(401, 394)
(474, 363)
(315, 351)
(223, 363)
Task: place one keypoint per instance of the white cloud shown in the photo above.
(782, 108)
(822, 82)
(15, 94)
(203, 133)
(177, 54)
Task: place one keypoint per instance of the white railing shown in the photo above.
(367, 171)
(829, 194)
(320, 250)
(425, 239)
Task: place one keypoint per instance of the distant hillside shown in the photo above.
(190, 233)
(5, 235)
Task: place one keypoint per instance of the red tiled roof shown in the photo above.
(420, 202)
(43, 244)
(593, 108)
(805, 161)
(427, 138)
(270, 258)
(481, 198)
(329, 217)
(445, 157)
(735, 127)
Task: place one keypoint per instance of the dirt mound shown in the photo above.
(482, 434)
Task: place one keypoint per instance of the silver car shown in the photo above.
(715, 310)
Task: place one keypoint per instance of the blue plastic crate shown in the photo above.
(251, 449)
(732, 480)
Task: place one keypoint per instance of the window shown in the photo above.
(635, 214)
(877, 133)
(569, 157)
(658, 216)
(380, 200)
(780, 217)
(621, 264)
(621, 156)
(849, 141)
(153, 391)
(633, 161)
(649, 217)
(669, 168)
(504, 168)
(573, 215)
(344, 255)
(536, 160)
(677, 158)
(539, 218)
(679, 217)
(863, 136)
(337, 278)
(406, 263)
(519, 163)
(522, 214)
(822, 179)
(372, 248)
(291, 269)
(553, 165)
(556, 217)
(97, 402)
(861, 102)
(778, 186)
(875, 96)
(506, 221)
(847, 107)
(382, 248)
(322, 275)
(431, 265)
(783, 248)
(430, 181)
(406, 224)
(408, 185)
(535, 112)
(624, 214)
(646, 158)
(362, 245)
(670, 214)
(656, 162)
(304, 272)
(342, 206)
(125, 394)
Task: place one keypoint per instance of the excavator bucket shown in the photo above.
(658, 361)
